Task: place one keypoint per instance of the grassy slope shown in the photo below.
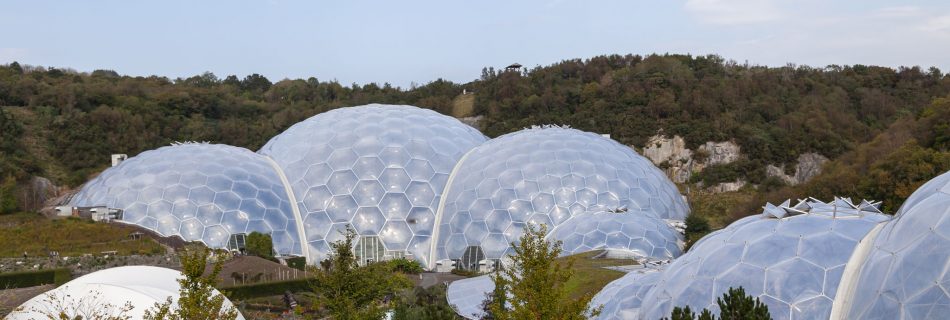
(463, 106)
(71, 237)
(590, 275)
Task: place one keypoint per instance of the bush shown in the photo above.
(25, 279)
(405, 266)
(466, 273)
(299, 263)
(260, 244)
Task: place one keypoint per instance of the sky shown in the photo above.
(405, 42)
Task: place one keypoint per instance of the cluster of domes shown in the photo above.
(411, 182)
(553, 175)
(813, 260)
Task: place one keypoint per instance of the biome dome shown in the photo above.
(379, 168)
(903, 274)
(200, 192)
(140, 286)
(545, 176)
(623, 234)
(790, 257)
(621, 298)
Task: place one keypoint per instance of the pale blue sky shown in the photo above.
(418, 41)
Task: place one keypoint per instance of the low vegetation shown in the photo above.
(33, 235)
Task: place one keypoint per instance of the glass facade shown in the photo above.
(199, 192)
(790, 257)
(905, 274)
(546, 176)
(379, 168)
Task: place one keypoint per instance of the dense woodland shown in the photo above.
(886, 130)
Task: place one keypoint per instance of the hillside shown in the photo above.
(871, 122)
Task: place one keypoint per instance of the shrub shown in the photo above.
(35, 278)
(405, 266)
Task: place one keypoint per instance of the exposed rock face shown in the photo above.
(678, 161)
(809, 166)
(720, 152)
(472, 121)
(727, 186)
(38, 191)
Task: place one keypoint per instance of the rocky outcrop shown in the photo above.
(727, 186)
(472, 121)
(809, 166)
(679, 162)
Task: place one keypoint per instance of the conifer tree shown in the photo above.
(533, 285)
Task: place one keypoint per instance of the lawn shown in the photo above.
(37, 235)
(590, 275)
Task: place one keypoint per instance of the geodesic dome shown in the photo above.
(626, 234)
(791, 258)
(904, 272)
(465, 296)
(545, 176)
(141, 286)
(200, 192)
(379, 168)
(621, 298)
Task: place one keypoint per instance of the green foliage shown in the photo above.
(686, 314)
(733, 305)
(197, 297)
(696, 227)
(534, 283)
(424, 304)
(736, 305)
(349, 291)
(265, 289)
(404, 265)
(896, 176)
(260, 244)
(466, 273)
(25, 279)
(8, 200)
(299, 263)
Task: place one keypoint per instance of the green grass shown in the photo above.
(37, 235)
(590, 275)
(717, 207)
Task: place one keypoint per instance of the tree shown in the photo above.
(197, 300)
(260, 244)
(687, 314)
(424, 304)
(534, 283)
(733, 305)
(347, 290)
(8, 201)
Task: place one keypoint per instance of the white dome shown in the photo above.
(904, 274)
(632, 235)
(545, 176)
(791, 258)
(142, 286)
(621, 299)
(379, 168)
(200, 192)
